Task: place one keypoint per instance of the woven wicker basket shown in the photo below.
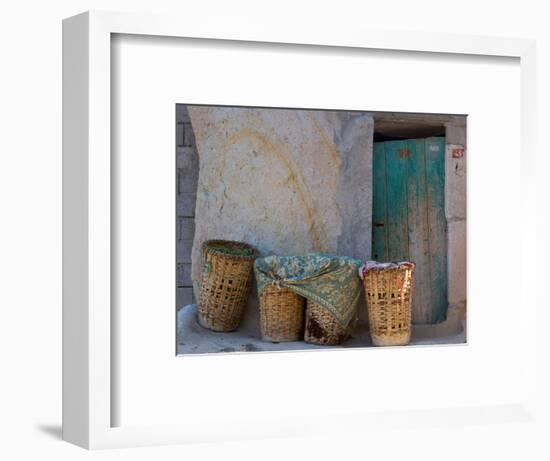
(281, 315)
(389, 298)
(225, 284)
(322, 327)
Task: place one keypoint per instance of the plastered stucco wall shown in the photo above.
(286, 181)
(456, 210)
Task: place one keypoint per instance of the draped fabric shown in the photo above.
(330, 281)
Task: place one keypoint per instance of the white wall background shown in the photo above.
(30, 234)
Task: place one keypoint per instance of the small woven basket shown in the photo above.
(389, 297)
(281, 314)
(322, 327)
(225, 283)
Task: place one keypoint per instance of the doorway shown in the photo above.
(409, 217)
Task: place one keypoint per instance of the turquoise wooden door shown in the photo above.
(409, 217)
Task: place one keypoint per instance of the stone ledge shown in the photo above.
(193, 339)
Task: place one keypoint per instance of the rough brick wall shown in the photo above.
(187, 172)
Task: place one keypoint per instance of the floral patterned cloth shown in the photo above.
(330, 281)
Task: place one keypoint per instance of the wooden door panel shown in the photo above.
(396, 189)
(409, 218)
(437, 225)
(419, 248)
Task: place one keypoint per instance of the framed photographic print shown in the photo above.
(274, 233)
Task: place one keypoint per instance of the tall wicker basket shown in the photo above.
(225, 284)
(322, 327)
(388, 291)
(281, 314)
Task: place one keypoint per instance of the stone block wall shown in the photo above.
(187, 174)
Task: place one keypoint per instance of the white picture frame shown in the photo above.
(88, 361)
